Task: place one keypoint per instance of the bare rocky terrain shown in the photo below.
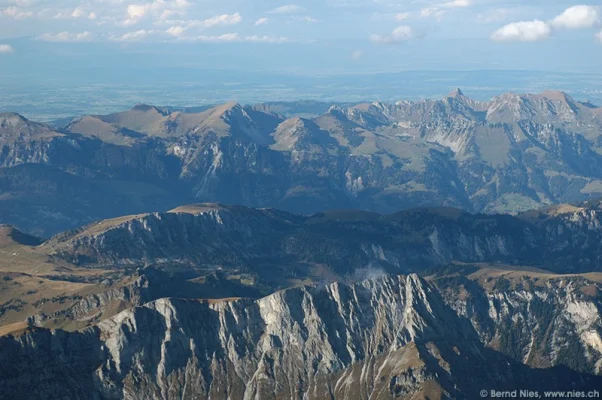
(388, 337)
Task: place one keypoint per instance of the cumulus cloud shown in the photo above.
(161, 9)
(227, 37)
(262, 21)
(457, 3)
(599, 36)
(306, 19)
(356, 55)
(523, 31)
(67, 37)
(6, 48)
(78, 13)
(16, 12)
(138, 35)
(176, 30)
(577, 17)
(399, 35)
(135, 12)
(218, 20)
(434, 12)
(224, 19)
(22, 3)
(287, 9)
(265, 39)
(235, 37)
(402, 16)
(438, 11)
(495, 15)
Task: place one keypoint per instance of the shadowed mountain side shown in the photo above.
(276, 245)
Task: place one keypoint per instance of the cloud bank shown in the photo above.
(575, 17)
(6, 48)
(523, 31)
(400, 34)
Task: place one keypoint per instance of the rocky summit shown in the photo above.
(510, 154)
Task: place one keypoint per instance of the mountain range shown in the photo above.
(303, 251)
(512, 153)
(220, 301)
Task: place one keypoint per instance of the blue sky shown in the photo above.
(310, 36)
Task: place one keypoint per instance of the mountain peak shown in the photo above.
(12, 118)
(9, 234)
(143, 107)
(457, 92)
(555, 95)
(14, 125)
(231, 105)
(201, 207)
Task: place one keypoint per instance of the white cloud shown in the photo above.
(599, 36)
(495, 15)
(138, 35)
(287, 9)
(265, 39)
(224, 20)
(176, 30)
(92, 15)
(261, 21)
(306, 19)
(434, 12)
(218, 20)
(227, 37)
(235, 37)
(67, 37)
(23, 3)
(77, 13)
(523, 31)
(402, 16)
(438, 11)
(6, 48)
(457, 4)
(399, 35)
(16, 12)
(577, 17)
(356, 55)
(161, 9)
(135, 12)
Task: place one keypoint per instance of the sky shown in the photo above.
(127, 40)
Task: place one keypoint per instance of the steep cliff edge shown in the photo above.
(537, 318)
(377, 339)
(562, 238)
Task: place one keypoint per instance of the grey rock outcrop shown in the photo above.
(381, 338)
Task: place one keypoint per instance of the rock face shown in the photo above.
(144, 286)
(377, 339)
(539, 323)
(279, 245)
(515, 152)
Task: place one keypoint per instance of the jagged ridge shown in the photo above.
(375, 339)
